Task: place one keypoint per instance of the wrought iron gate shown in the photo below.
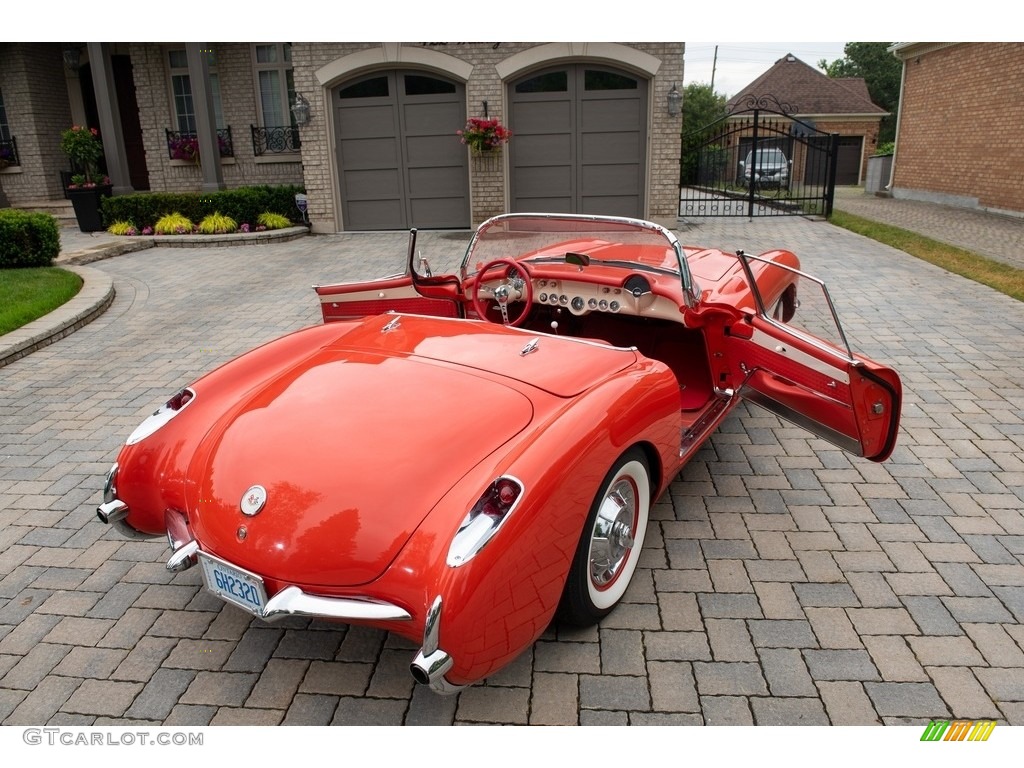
(758, 160)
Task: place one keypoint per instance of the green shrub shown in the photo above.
(217, 224)
(885, 148)
(27, 239)
(242, 204)
(122, 228)
(273, 220)
(173, 224)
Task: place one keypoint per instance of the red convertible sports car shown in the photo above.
(460, 458)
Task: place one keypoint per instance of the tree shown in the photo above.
(701, 106)
(701, 162)
(881, 72)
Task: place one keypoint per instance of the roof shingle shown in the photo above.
(808, 91)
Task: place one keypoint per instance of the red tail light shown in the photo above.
(484, 519)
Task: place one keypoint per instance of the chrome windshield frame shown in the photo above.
(686, 279)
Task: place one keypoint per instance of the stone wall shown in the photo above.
(32, 79)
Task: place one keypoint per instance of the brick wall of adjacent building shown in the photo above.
(35, 95)
(960, 135)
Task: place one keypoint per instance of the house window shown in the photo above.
(275, 84)
(8, 146)
(181, 92)
(5, 129)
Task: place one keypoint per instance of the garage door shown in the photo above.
(848, 164)
(400, 163)
(579, 141)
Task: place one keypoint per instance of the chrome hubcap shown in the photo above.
(612, 537)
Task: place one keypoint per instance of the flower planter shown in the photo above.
(86, 202)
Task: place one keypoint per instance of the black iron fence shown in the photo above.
(759, 160)
(274, 139)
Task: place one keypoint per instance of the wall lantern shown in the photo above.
(301, 111)
(675, 102)
(72, 57)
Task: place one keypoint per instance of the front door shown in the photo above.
(804, 371)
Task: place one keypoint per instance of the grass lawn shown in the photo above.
(28, 294)
(1002, 277)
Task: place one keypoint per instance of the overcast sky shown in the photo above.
(738, 64)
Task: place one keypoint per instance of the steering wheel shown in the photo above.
(512, 289)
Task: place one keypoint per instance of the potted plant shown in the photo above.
(484, 135)
(83, 147)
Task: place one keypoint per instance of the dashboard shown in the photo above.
(581, 298)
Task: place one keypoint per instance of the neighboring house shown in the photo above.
(958, 134)
(591, 128)
(841, 106)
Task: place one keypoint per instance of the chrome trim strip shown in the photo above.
(475, 532)
(431, 663)
(292, 601)
(432, 627)
(110, 484)
(157, 419)
(837, 370)
(847, 443)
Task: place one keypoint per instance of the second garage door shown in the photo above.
(579, 141)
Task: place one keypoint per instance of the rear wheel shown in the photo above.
(610, 544)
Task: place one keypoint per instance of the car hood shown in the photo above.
(354, 447)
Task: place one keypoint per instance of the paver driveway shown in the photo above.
(782, 583)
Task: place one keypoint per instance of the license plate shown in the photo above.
(233, 584)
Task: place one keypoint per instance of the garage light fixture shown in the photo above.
(675, 102)
(301, 110)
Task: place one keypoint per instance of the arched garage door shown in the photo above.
(400, 163)
(579, 141)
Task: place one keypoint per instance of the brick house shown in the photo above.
(958, 138)
(841, 106)
(591, 130)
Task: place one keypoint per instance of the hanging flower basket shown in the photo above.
(483, 135)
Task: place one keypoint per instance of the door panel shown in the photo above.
(803, 369)
(351, 301)
(854, 404)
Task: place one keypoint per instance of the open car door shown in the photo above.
(804, 371)
(416, 291)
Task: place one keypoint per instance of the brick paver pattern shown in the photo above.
(782, 582)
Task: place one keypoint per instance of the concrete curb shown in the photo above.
(92, 300)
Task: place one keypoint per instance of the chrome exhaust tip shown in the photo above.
(426, 669)
(110, 512)
(430, 669)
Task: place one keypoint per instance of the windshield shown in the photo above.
(548, 238)
(768, 156)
